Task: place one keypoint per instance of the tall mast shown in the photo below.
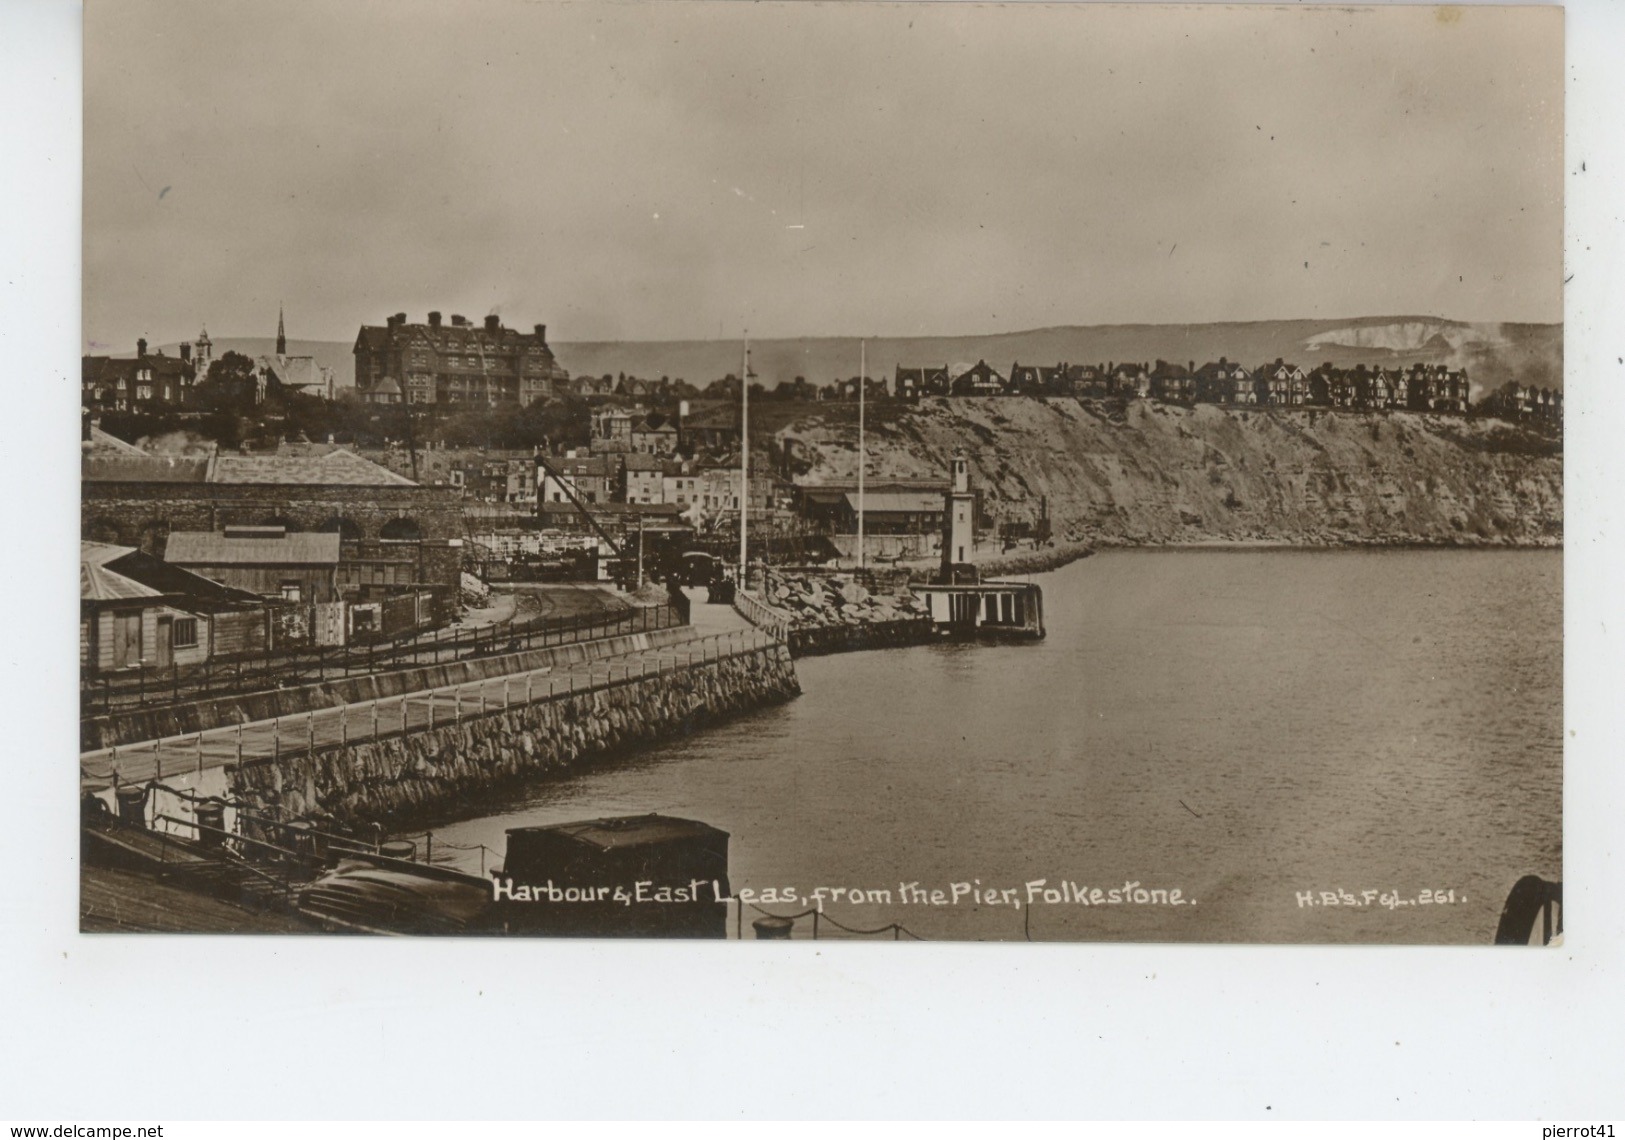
(863, 376)
(744, 455)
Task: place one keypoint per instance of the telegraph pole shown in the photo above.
(863, 368)
(744, 455)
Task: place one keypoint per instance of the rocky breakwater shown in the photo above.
(832, 613)
(400, 778)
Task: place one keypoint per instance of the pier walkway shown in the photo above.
(717, 635)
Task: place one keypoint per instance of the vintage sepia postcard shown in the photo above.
(913, 472)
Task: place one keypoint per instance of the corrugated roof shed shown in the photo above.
(897, 502)
(99, 584)
(209, 548)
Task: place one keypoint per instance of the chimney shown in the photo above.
(434, 320)
(458, 320)
(541, 333)
(492, 322)
(186, 350)
(400, 318)
(392, 321)
(141, 347)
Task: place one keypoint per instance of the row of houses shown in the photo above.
(1420, 387)
(1526, 402)
(149, 381)
(146, 380)
(698, 489)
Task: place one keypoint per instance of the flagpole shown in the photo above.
(744, 455)
(863, 369)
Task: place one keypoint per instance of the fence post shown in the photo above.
(200, 753)
(457, 705)
(276, 738)
(312, 720)
(375, 718)
(239, 743)
(431, 710)
(504, 692)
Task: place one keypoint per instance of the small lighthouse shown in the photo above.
(958, 524)
(959, 602)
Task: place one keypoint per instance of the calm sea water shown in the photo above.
(1242, 727)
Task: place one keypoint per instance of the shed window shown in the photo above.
(185, 633)
(290, 591)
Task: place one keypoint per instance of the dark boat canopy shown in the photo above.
(620, 832)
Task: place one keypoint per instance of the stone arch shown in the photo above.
(154, 537)
(346, 528)
(401, 529)
(104, 530)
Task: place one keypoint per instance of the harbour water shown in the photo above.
(1240, 726)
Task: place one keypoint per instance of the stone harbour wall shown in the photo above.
(135, 725)
(396, 778)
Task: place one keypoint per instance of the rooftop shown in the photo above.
(336, 468)
(101, 467)
(273, 548)
(630, 831)
(97, 583)
(897, 502)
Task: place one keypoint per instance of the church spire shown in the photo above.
(281, 336)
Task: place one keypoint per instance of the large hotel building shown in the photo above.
(454, 362)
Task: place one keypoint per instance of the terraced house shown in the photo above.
(1225, 382)
(459, 362)
(1436, 388)
(913, 383)
(1037, 380)
(1173, 383)
(126, 384)
(1281, 385)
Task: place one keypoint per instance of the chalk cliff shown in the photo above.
(1153, 473)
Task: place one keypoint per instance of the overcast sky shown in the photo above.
(687, 170)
